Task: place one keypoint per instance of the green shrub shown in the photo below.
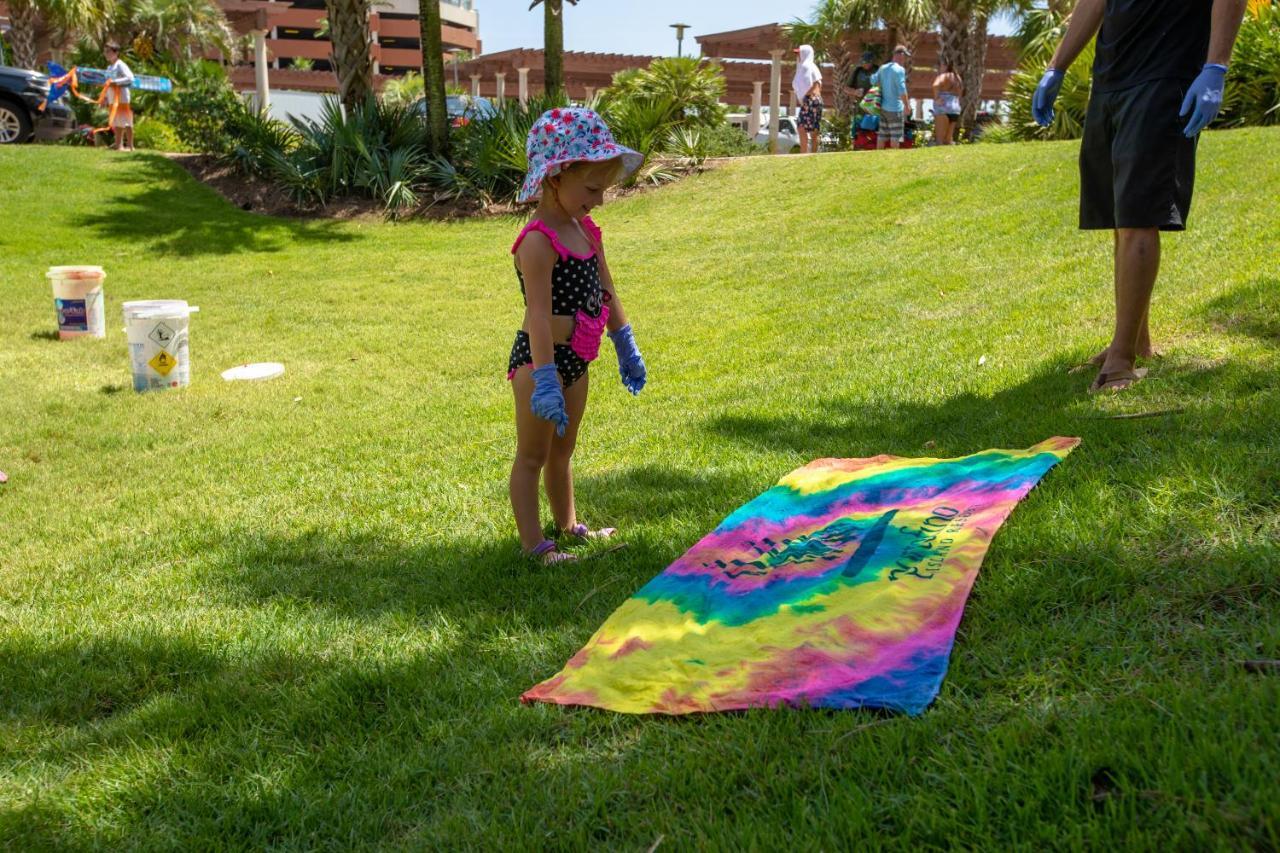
(403, 91)
(725, 140)
(692, 87)
(203, 107)
(373, 151)
(1069, 109)
(1252, 95)
(157, 135)
(487, 158)
(253, 137)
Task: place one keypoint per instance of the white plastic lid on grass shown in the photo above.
(254, 372)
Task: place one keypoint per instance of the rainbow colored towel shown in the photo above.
(840, 587)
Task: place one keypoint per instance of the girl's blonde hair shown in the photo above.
(609, 171)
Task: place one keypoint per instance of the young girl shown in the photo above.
(570, 300)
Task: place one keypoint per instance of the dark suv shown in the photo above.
(21, 94)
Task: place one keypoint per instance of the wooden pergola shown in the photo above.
(255, 18)
(760, 43)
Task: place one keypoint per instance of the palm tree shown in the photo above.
(433, 76)
(179, 29)
(24, 20)
(349, 37)
(903, 19)
(62, 20)
(972, 64)
(553, 47)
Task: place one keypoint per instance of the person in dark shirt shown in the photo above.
(860, 79)
(1156, 62)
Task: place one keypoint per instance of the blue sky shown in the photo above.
(631, 26)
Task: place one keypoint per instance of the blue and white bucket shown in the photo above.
(77, 298)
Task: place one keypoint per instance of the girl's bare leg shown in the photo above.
(533, 445)
(558, 472)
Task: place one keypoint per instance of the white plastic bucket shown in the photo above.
(77, 297)
(158, 350)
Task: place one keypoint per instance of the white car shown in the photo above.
(788, 137)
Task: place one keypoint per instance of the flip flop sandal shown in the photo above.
(1094, 364)
(581, 531)
(1104, 381)
(546, 553)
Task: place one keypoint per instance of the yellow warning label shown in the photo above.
(163, 363)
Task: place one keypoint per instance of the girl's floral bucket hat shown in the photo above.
(570, 135)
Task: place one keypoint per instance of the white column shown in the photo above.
(591, 93)
(260, 69)
(791, 102)
(753, 120)
(523, 86)
(275, 34)
(501, 78)
(475, 85)
(775, 98)
(919, 109)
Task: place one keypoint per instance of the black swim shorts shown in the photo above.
(1137, 169)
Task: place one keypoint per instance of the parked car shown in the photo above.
(462, 109)
(788, 135)
(21, 94)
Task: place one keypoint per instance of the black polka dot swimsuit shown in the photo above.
(575, 292)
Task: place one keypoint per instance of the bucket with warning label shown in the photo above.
(77, 297)
(158, 348)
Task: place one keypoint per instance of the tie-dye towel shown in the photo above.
(840, 587)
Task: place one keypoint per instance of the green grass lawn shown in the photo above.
(292, 614)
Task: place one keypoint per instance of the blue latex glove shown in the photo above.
(547, 401)
(630, 364)
(1046, 94)
(1205, 95)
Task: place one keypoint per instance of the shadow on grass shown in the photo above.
(1252, 309)
(1081, 635)
(161, 207)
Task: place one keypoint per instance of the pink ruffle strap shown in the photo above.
(587, 332)
(593, 231)
(561, 249)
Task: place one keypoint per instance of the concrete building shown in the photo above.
(291, 63)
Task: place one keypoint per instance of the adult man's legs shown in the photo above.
(1137, 263)
(1145, 350)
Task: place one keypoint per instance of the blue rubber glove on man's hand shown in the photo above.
(1046, 94)
(1205, 95)
(630, 364)
(547, 401)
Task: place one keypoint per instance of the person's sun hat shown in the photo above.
(568, 135)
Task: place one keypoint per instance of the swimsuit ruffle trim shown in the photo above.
(561, 249)
(593, 231)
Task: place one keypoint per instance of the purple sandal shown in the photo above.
(548, 554)
(581, 531)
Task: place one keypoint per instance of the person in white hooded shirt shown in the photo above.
(807, 85)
